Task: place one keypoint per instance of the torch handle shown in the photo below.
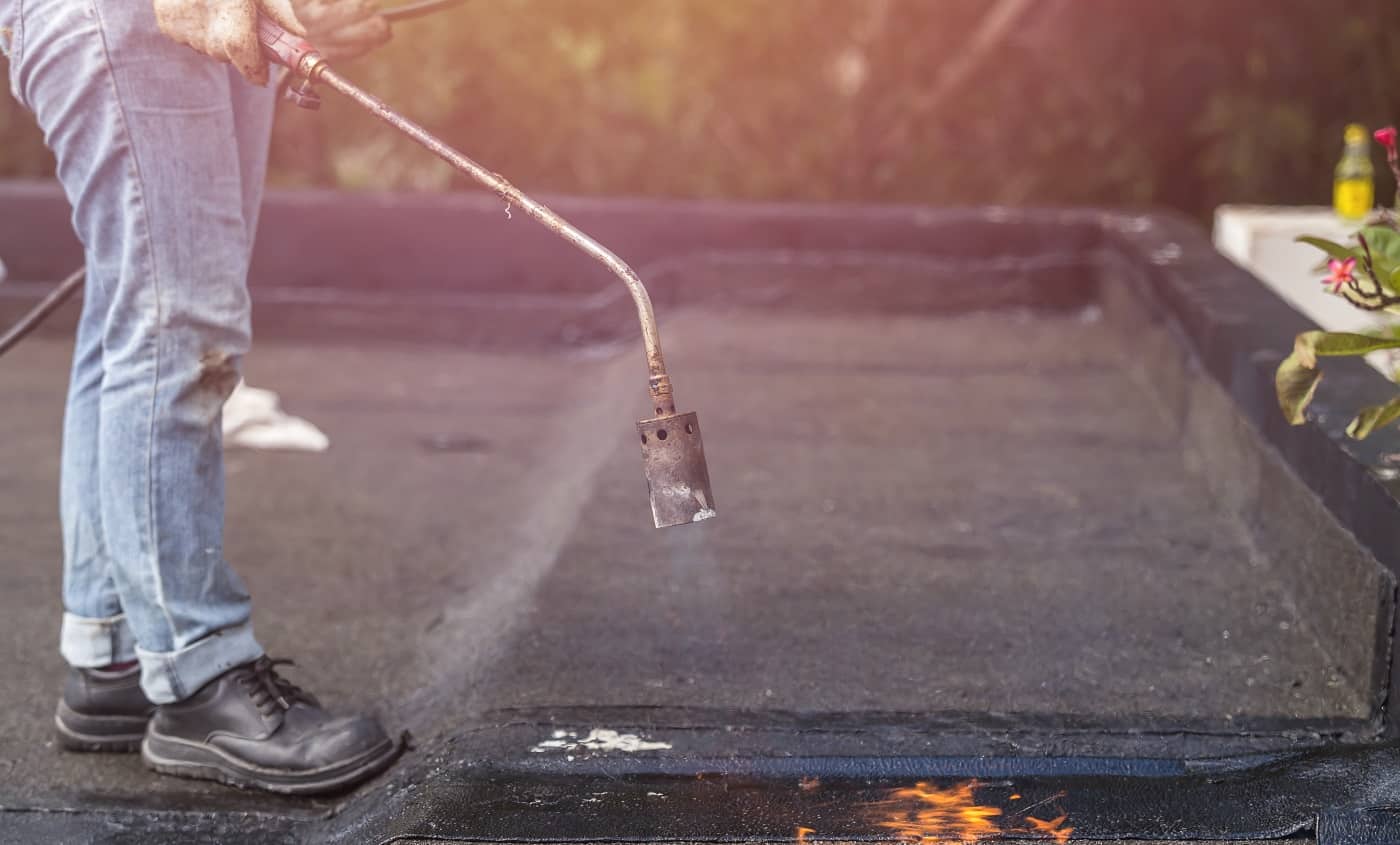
(286, 49)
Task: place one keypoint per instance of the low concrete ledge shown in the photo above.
(467, 241)
(457, 268)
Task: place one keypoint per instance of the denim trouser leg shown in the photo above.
(161, 153)
(95, 631)
(252, 126)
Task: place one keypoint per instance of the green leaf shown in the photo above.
(1384, 265)
(1385, 255)
(1309, 345)
(1297, 377)
(1332, 248)
(1295, 385)
(1384, 241)
(1373, 418)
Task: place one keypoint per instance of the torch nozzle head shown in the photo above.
(673, 459)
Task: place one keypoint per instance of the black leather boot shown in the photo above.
(102, 711)
(250, 727)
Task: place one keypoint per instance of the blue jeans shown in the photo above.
(162, 154)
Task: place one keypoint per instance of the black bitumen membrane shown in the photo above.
(1001, 543)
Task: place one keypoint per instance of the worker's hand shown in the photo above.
(342, 29)
(226, 30)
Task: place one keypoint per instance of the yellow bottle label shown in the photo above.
(1353, 199)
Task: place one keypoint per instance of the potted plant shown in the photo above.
(1367, 274)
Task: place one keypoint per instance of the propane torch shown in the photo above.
(673, 455)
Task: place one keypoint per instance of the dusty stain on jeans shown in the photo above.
(218, 374)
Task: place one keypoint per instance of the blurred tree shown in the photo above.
(1188, 104)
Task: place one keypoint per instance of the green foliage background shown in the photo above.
(1186, 103)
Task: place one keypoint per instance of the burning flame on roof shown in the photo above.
(1053, 828)
(928, 814)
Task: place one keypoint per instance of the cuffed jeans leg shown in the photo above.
(91, 643)
(147, 134)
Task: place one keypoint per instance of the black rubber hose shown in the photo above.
(40, 312)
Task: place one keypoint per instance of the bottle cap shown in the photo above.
(1355, 134)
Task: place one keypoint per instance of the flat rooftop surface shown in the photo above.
(918, 516)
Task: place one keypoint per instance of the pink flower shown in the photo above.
(1340, 273)
(1386, 138)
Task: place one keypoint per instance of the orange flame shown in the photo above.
(927, 814)
(1054, 828)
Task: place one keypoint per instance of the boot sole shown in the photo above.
(186, 759)
(82, 732)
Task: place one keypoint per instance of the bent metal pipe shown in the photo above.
(673, 455)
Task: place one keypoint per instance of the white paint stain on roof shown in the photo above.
(598, 739)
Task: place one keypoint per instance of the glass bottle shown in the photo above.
(1354, 182)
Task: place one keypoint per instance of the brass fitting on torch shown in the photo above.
(673, 455)
(302, 60)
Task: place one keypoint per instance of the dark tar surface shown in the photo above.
(998, 502)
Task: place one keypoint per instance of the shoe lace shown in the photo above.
(270, 689)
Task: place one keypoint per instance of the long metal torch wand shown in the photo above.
(672, 452)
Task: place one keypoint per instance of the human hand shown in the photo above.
(342, 29)
(226, 30)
